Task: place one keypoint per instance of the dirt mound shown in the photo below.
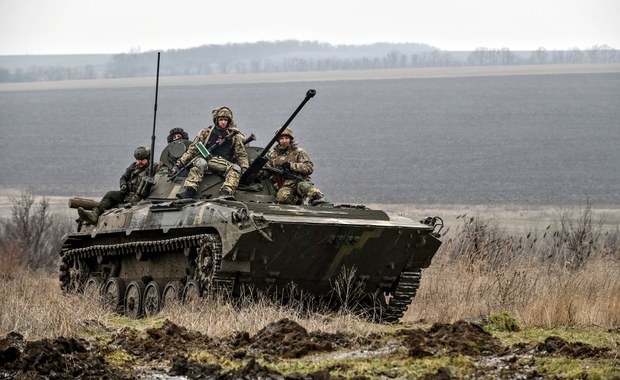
(163, 343)
(62, 358)
(555, 346)
(170, 351)
(288, 339)
(459, 338)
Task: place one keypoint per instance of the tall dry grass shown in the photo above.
(567, 274)
(33, 305)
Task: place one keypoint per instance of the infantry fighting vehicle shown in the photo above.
(140, 257)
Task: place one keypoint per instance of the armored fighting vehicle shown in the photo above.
(142, 256)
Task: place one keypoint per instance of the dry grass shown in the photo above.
(218, 318)
(565, 275)
(568, 275)
(33, 305)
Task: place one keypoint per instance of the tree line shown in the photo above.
(299, 56)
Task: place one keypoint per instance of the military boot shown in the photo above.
(317, 199)
(226, 195)
(89, 217)
(189, 192)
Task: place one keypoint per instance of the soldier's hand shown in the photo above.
(175, 169)
(286, 166)
(124, 189)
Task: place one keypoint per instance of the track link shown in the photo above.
(208, 246)
(403, 295)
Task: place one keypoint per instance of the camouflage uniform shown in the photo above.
(230, 158)
(129, 184)
(130, 180)
(290, 191)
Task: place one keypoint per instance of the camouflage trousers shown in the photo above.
(293, 192)
(113, 198)
(232, 173)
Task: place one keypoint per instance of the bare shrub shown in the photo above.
(33, 233)
(347, 289)
(577, 239)
(567, 276)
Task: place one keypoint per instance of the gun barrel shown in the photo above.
(309, 94)
(261, 160)
(85, 203)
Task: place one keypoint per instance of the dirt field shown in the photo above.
(285, 350)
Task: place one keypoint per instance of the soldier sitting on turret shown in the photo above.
(290, 158)
(177, 134)
(129, 184)
(228, 156)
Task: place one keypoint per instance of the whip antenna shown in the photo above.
(154, 119)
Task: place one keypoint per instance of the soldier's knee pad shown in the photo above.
(304, 187)
(286, 196)
(236, 168)
(200, 163)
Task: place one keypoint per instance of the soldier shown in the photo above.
(129, 184)
(292, 159)
(228, 155)
(177, 134)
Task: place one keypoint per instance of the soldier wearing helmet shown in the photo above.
(290, 158)
(228, 156)
(129, 184)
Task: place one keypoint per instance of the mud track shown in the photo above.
(171, 351)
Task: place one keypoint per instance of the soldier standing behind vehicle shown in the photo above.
(129, 184)
(228, 155)
(290, 158)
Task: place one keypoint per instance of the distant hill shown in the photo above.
(14, 62)
(278, 56)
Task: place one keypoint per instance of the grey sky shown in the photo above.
(117, 26)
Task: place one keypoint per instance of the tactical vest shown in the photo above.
(226, 149)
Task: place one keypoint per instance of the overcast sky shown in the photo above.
(120, 26)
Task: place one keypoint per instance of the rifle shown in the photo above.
(249, 139)
(260, 161)
(284, 173)
(205, 152)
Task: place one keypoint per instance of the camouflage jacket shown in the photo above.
(133, 177)
(233, 151)
(296, 156)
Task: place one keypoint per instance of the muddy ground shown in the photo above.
(173, 352)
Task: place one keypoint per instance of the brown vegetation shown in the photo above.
(31, 237)
(565, 276)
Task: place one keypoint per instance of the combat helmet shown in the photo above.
(222, 111)
(142, 152)
(287, 132)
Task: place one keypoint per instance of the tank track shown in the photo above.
(208, 262)
(403, 295)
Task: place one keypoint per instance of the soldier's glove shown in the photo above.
(176, 168)
(286, 166)
(124, 189)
